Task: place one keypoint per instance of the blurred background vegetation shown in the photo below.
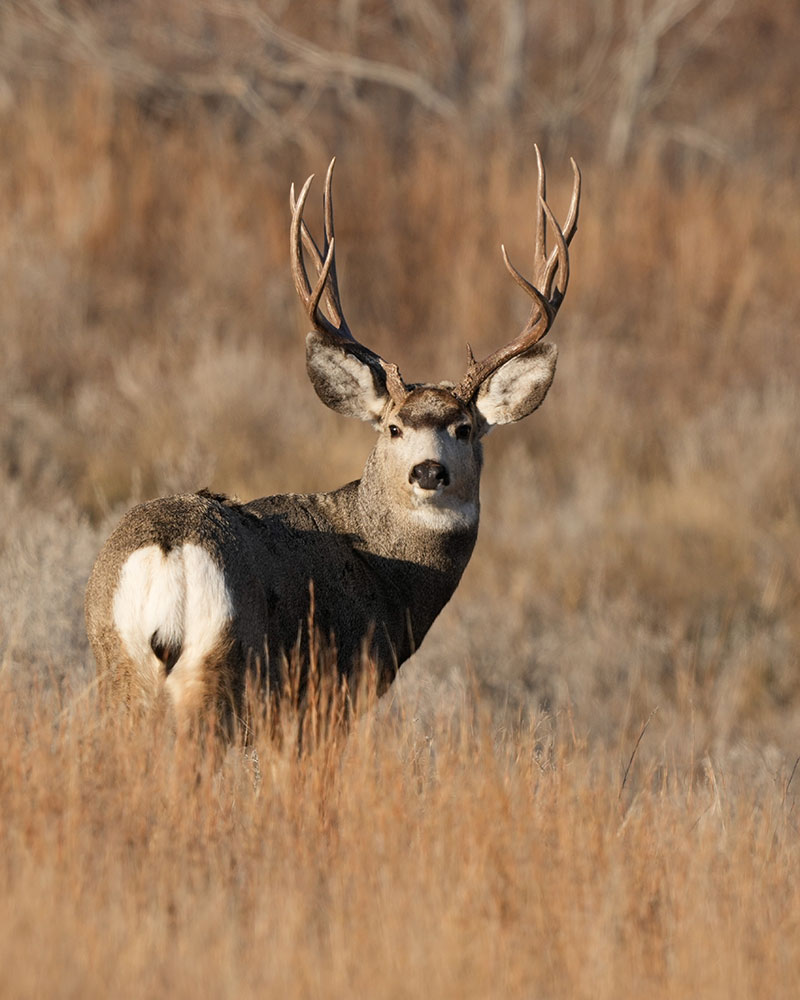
(640, 544)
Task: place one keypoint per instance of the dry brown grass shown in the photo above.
(461, 863)
(640, 545)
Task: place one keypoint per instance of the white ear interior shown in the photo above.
(516, 389)
(342, 382)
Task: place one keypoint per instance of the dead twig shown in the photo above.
(786, 789)
(635, 748)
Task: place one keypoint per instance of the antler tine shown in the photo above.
(540, 244)
(558, 261)
(559, 254)
(574, 203)
(547, 271)
(298, 268)
(326, 286)
(333, 283)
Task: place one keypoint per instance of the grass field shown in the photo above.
(639, 555)
(465, 862)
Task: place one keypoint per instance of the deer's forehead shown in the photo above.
(431, 406)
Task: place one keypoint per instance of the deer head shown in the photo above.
(428, 455)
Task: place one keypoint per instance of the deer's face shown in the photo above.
(428, 457)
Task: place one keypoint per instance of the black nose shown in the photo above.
(429, 475)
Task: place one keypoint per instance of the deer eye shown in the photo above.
(394, 431)
(463, 432)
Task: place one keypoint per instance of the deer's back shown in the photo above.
(245, 573)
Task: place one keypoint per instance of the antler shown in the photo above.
(326, 287)
(547, 271)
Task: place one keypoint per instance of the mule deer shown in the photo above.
(192, 592)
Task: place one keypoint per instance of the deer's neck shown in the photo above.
(421, 557)
(407, 572)
(421, 542)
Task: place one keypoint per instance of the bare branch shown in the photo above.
(314, 57)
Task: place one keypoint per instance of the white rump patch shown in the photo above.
(182, 598)
(150, 598)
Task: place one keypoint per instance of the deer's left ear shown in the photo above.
(343, 382)
(518, 387)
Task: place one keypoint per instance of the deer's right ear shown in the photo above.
(343, 382)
